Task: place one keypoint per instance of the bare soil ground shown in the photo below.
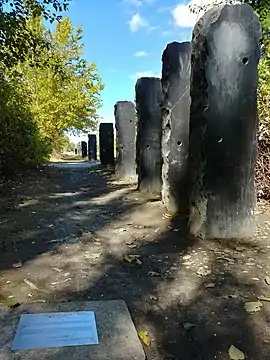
(66, 235)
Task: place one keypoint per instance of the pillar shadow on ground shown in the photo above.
(189, 316)
(36, 219)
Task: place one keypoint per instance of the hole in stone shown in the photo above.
(168, 125)
(219, 139)
(147, 146)
(205, 109)
(245, 60)
(130, 121)
(179, 143)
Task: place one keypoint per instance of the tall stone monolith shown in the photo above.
(148, 147)
(125, 124)
(106, 143)
(223, 122)
(92, 147)
(84, 149)
(175, 125)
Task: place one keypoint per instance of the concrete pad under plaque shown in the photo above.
(118, 339)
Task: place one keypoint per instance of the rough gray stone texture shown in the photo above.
(84, 149)
(92, 147)
(118, 339)
(125, 124)
(175, 125)
(148, 147)
(223, 122)
(106, 143)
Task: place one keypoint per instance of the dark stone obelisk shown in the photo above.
(148, 148)
(84, 149)
(106, 143)
(175, 125)
(92, 147)
(223, 122)
(124, 112)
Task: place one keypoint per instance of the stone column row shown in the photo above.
(196, 128)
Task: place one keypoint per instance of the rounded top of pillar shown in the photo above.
(147, 81)
(123, 104)
(225, 12)
(174, 48)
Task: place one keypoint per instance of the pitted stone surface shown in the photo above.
(92, 147)
(106, 143)
(223, 122)
(149, 160)
(125, 124)
(175, 125)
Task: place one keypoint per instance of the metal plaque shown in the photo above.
(47, 330)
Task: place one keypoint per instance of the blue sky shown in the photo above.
(126, 39)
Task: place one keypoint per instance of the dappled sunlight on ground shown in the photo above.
(76, 243)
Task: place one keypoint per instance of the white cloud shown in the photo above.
(137, 22)
(138, 3)
(140, 53)
(147, 73)
(166, 33)
(182, 15)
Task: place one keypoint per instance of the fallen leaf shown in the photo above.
(92, 256)
(203, 272)
(232, 296)
(267, 280)
(153, 273)
(144, 336)
(264, 298)
(188, 326)
(236, 354)
(14, 306)
(210, 285)
(153, 298)
(17, 265)
(253, 306)
(32, 285)
(166, 216)
(239, 248)
(131, 258)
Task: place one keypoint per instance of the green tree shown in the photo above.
(15, 37)
(20, 142)
(65, 89)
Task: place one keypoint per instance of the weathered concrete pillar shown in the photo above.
(106, 143)
(124, 112)
(92, 147)
(223, 122)
(84, 149)
(148, 154)
(175, 125)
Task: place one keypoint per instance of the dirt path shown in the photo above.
(65, 232)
